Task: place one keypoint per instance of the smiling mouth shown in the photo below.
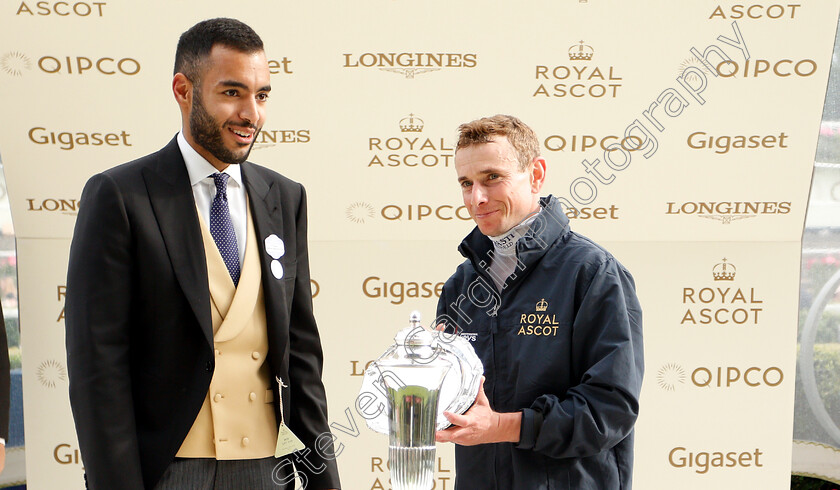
(244, 136)
(483, 215)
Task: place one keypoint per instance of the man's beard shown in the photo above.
(207, 133)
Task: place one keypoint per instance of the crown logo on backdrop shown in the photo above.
(581, 52)
(411, 124)
(723, 271)
(542, 305)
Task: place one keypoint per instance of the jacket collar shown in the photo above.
(551, 223)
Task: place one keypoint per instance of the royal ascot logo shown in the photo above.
(728, 211)
(409, 148)
(62, 9)
(69, 140)
(580, 79)
(672, 377)
(362, 212)
(700, 140)
(69, 207)
(396, 292)
(539, 323)
(50, 373)
(15, 63)
(410, 65)
(704, 462)
(581, 52)
(273, 137)
(723, 271)
(755, 11)
(721, 304)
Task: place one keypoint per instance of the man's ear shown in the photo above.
(537, 174)
(182, 88)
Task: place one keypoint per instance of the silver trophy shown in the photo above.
(421, 375)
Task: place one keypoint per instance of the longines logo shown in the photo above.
(410, 65)
(62, 9)
(580, 79)
(69, 140)
(700, 140)
(727, 211)
(15, 63)
(69, 207)
(672, 377)
(539, 323)
(50, 373)
(273, 137)
(701, 462)
(362, 212)
(721, 304)
(397, 291)
(410, 148)
(755, 11)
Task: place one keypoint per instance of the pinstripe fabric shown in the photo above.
(212, 474)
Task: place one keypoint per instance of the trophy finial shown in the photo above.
(414, 318)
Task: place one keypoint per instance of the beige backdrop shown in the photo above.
(683, 131)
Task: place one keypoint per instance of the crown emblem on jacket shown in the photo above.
(723, 271)
(581, 52)
(411, 124)
(542, 305)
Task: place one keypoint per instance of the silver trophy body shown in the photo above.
(422, 374)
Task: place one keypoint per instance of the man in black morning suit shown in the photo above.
(140, 337)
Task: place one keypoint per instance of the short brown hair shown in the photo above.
(522, 138)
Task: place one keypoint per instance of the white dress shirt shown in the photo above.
(204, 191)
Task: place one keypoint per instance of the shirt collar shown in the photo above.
(199, 168)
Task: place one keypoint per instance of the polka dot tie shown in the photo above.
(221, 227)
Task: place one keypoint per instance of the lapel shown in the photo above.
(264, 199)
(173, 204)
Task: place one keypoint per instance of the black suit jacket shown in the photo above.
(140, 349)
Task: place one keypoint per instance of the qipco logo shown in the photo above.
(84, 65)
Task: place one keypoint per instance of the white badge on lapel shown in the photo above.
(275, 248)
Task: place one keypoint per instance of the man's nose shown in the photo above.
(248, 111)
(479, 195)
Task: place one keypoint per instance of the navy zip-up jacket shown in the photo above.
(562, 343)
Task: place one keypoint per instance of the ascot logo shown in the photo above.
(756, 11)
(62, 9)
(723, 271)
(581, 52)
(409, 148)
(410, 64)
(15, 63)
(721, 304)
(578, 80)
(728, 211)
(50, 373)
